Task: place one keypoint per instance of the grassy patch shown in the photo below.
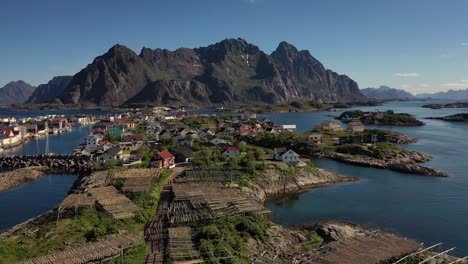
(313, 243)
(228, 237)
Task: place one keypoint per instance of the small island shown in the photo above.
(367, 147)
(462, 117)
(451, 105)
(387, 118)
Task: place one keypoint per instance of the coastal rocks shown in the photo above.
(417, 169)
(273, 183)
(16, 177)
(335, 231)
(386, 152)
(402, 139)
(55, 163)
(405, 165)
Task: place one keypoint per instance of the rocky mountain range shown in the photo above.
(46, 92)
(16, 92)
(448, 95)
(387, 93)
(232, 71)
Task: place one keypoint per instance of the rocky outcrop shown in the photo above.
(10, 179)
(417, 169)
(402, 139)
(46, 92)
(273, 183)
(406, 164)
(232, 71)
(15, 93)
(335, 231)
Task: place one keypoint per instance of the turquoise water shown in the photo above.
(427, 209)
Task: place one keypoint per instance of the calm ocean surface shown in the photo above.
(34, 198)
(427, 209)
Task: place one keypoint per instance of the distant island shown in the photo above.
(463, 117)
(388, 118)
(450, 105)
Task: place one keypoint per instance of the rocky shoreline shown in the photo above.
(405, 166)
(10, 179)
(273, 184)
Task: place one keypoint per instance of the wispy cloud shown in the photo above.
(464, 44)
(463, 84)
(424, 85)
(407, 74)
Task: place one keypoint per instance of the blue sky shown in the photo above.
(418, 45)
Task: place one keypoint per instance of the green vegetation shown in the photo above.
(314, 242)
(228, 237)
(250, 161)
(86, 225)
(378, 151)
(271, 140)
(382, 118)
(133, 255)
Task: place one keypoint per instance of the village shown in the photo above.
(166, 184)
(162, 138)
(16, 131)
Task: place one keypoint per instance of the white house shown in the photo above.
(288, 156)
(92, 140)
(289, 127)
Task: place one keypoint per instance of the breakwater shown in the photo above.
(56, 163)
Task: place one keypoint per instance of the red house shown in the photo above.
(163, 159)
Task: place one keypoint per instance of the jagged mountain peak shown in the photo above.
(286, 47)
(232, 71)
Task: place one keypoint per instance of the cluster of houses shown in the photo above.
(161, 129)
(14, 131)
(355, 127)
(114, 137)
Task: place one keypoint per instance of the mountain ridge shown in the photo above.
(228, 72)
(15, 92)
(52, 89)
(448, 95)
(387, 93)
